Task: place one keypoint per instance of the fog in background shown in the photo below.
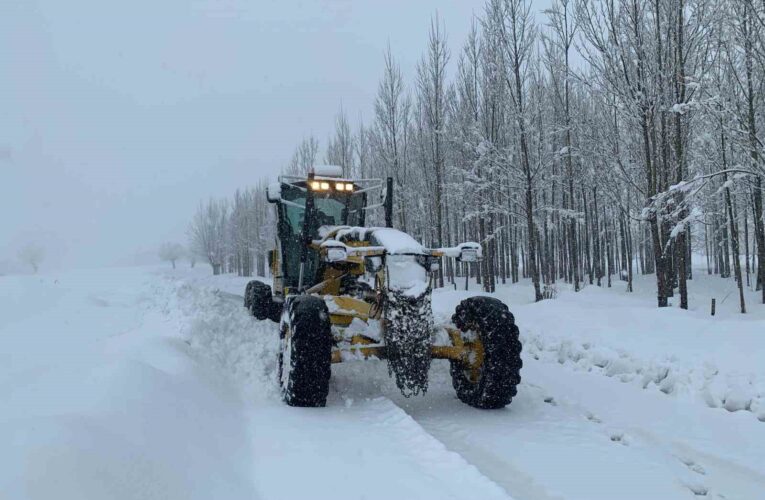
(116, 118)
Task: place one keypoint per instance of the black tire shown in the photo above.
(496, 381)
(248, 295)
(305, 359)
(260, 302)
(275, 312)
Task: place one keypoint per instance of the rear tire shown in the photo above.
(260, 302)
(497, 378)
(248, 295)
(305, 359)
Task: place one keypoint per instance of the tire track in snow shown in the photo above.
(434, 455)
(707, 468)
(512, 480)
(230, 296)
(704, 473)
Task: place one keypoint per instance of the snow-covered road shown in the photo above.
(140, 383)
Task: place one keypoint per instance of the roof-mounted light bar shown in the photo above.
(321, 185)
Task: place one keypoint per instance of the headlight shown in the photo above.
(320, 186)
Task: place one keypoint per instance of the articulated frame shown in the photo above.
(345, 309)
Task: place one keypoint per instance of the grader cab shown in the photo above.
(346, 292)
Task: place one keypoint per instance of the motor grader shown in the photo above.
(344, 292)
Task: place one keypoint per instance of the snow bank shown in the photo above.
(102, 399)
(731, 391)
(218, 328)
(715, 361)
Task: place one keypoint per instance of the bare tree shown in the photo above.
(431, 81)
(171, 252)
(32, 255)
(207, 233)
(340, 148)
(517, 30)
(304, 156)
(391, 121)
(558, 48)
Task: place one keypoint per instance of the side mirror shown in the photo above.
(469, 252)
(468, 255)
(274, 192)
(335, 253)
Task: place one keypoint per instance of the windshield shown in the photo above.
(330, 209)
(328, 212)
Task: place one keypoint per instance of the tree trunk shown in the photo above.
(759, 230)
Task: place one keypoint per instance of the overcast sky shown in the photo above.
(116, 118)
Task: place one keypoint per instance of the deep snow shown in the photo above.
(147, 383)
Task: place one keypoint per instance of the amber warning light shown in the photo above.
(324, 186)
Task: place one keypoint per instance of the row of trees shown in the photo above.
(615, 137)
(234, 235)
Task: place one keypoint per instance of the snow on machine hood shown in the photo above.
(405, 274)
(393, 240)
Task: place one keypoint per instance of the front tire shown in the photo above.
(305, 359)
(260, 302)
(490, 326)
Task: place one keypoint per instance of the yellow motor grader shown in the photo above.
(345, 292)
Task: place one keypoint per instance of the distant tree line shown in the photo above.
(234, 235)
(615, 137)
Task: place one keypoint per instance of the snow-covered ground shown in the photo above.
(141, 383)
